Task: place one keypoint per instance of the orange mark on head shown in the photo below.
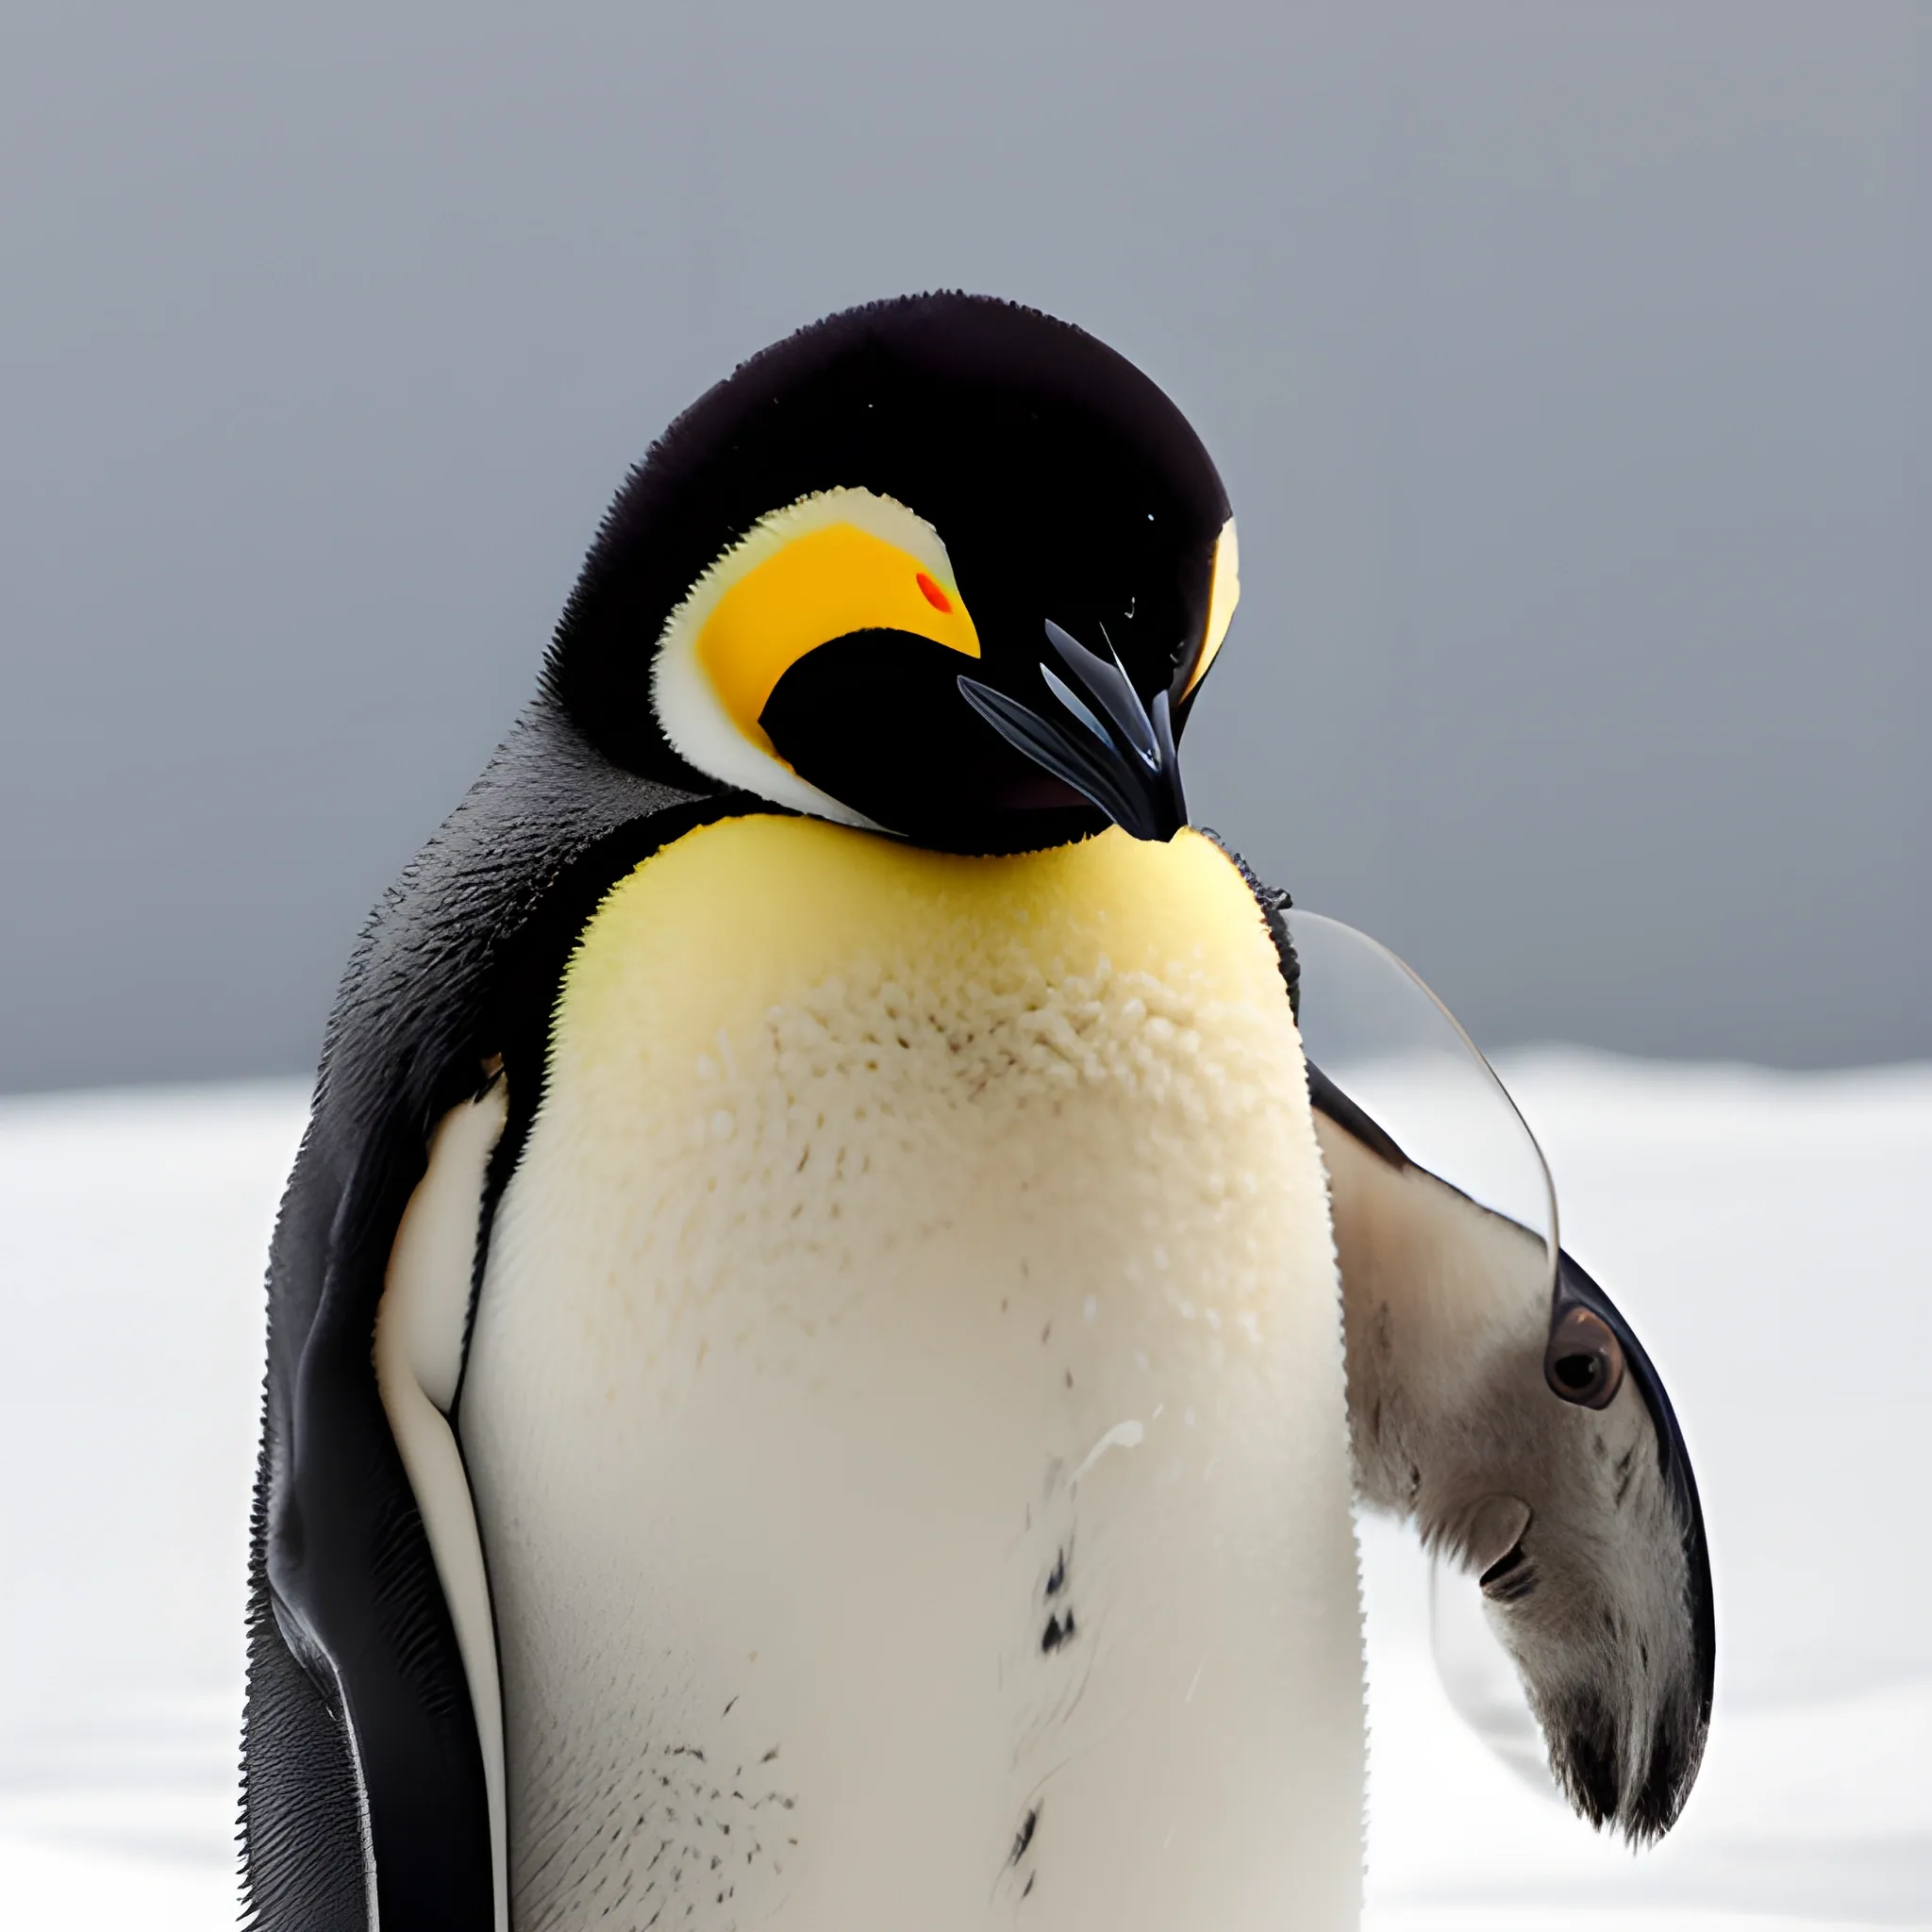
(933, 594)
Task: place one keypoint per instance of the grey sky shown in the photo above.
(1567, 365)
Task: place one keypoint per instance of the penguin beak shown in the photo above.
(1110, 745)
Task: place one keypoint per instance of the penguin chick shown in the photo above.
(1529, 1439)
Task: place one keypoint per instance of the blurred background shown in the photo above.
(1567, 365)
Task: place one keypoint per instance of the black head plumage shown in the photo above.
(1065, 488)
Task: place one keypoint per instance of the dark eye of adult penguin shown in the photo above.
(944, 568)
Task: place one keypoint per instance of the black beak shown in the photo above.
(1117, 752)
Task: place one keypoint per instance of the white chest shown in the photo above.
(904, 1414)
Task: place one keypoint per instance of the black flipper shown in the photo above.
(360, 1760)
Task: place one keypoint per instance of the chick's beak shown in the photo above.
(1105, 741)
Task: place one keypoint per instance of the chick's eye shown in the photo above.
(1584, 1363)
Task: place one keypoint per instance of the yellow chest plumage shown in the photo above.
(905, 1411)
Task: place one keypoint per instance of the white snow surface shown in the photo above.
(1763, 1232)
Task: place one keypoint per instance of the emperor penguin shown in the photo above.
(823, 1335)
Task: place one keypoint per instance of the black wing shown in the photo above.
(360, 1764)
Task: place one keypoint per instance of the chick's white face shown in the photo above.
(1529, 1458)
(1563, 1513)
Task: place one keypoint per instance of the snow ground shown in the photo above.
(1763, 1232)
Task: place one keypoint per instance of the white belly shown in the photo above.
(905, 1409)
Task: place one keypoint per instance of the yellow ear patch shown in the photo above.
(1223, 594)
(833, 562)
(822, 585)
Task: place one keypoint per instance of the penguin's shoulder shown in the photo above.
(345, 1611)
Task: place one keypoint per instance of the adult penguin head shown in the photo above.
(941, 566)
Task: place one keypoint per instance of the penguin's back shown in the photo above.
(905, 1410)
